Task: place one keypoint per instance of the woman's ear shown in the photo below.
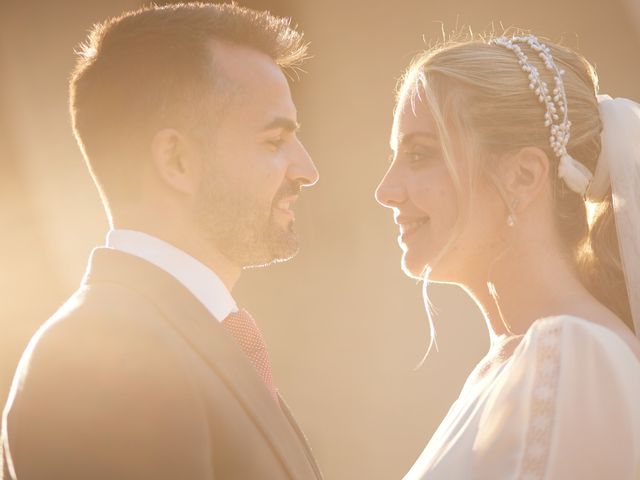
(525, 175)
(174, 161)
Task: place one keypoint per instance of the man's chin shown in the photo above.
(266, 263)
(279, 249)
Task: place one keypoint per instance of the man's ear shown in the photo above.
(525, 175)
(174, 161)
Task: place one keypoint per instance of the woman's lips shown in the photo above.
(408, 228)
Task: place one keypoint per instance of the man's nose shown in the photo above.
(302, 168)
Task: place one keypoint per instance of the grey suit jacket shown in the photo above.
(133, 379)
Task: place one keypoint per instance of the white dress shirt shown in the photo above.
(200, 280)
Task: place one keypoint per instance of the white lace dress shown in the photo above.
(564, 406)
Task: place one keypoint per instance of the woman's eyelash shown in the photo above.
(420, 154)
(276, 143)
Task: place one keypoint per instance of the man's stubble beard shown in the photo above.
(240, 226)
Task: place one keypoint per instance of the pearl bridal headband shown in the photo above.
(575, 174)
(618, 166)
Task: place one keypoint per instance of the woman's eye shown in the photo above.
(276, 143)
(419, 157)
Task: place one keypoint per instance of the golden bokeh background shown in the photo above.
(345, 327)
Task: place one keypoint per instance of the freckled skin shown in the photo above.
(418, 184)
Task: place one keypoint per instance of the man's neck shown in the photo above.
(198, 248)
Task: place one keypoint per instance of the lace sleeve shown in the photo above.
(583, 408)
(566, 406)
(542, 409)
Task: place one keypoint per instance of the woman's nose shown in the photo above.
(390, 193)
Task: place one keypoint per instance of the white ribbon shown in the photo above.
(575, 174)
(619, 168)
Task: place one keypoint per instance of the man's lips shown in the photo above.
(284, 204)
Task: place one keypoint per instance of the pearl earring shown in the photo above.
(512, 219)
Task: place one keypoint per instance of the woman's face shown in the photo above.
(426, 206)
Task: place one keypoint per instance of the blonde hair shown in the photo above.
(478, 93)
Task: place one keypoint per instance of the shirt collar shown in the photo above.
(200, 280)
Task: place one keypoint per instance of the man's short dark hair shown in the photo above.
(151, 69)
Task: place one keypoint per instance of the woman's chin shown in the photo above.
(417, 267)
(413, 267)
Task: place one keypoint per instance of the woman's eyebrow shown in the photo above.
(410, 137)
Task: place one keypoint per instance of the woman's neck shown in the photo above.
(523, 286)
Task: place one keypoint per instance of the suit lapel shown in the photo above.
(191, 320)
(301, 436)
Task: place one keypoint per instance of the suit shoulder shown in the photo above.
(105, 333)
(101, 379)
(101, 307)
(103, 322)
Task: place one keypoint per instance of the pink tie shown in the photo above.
(244, 329)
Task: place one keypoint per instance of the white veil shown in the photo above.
(619, 167)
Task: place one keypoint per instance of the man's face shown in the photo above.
(255, 164)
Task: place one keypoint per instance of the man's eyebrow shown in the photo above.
(284, 123)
